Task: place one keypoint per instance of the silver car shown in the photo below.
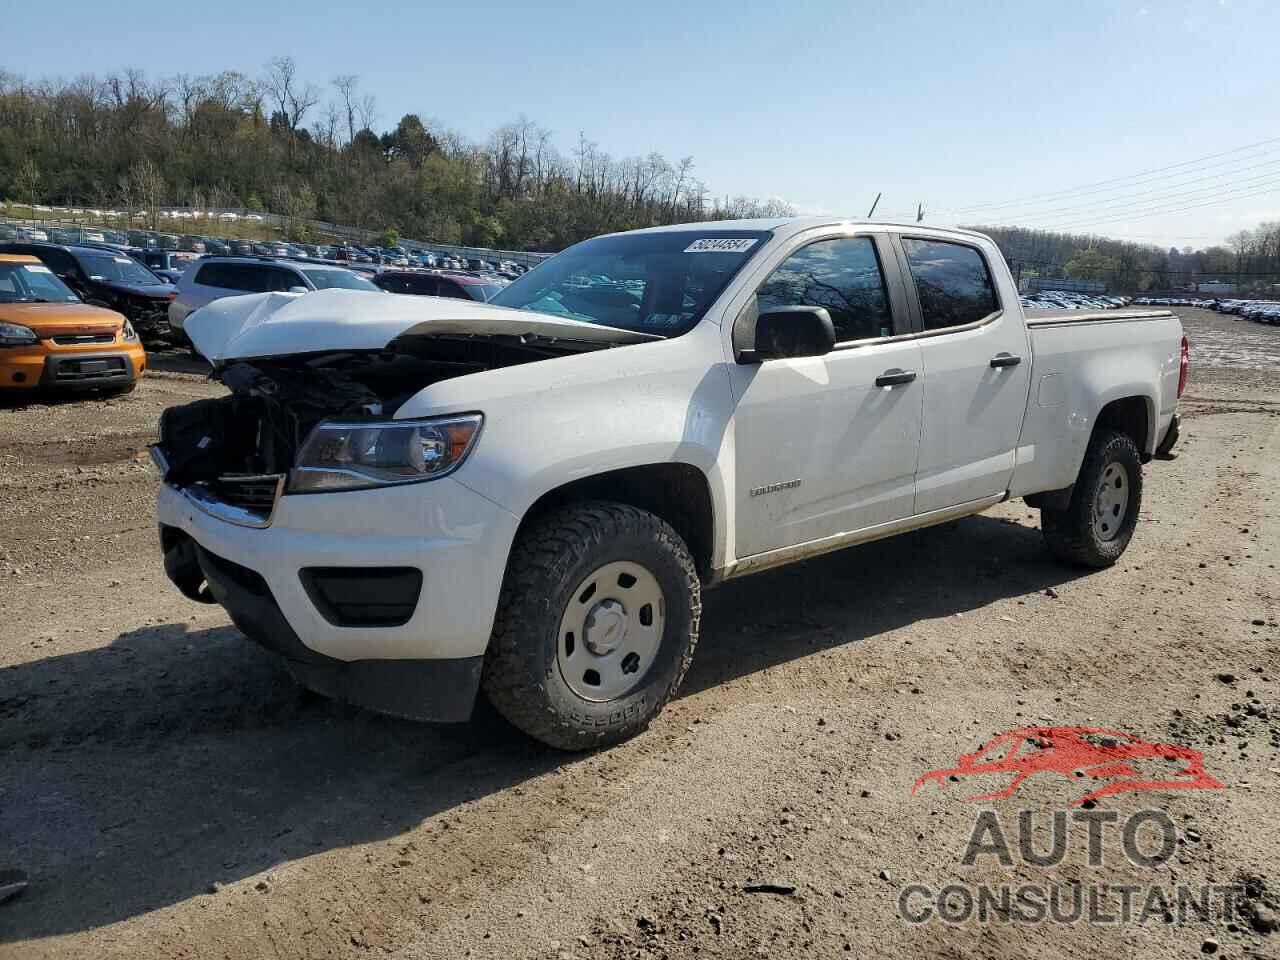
(212, 278)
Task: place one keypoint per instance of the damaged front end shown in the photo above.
(324, 422)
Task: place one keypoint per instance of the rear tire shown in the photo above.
(624, 574)
(1098, 524)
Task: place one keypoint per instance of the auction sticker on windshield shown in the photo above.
(721, 245)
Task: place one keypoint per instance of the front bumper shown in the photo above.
(112, 365)
(458, 539)
(441, 690)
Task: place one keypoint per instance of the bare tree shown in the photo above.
(148, 187)
(346, 85)
(29, 179)
(292, 98)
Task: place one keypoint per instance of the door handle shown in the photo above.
(1005, 360)
(895, 377)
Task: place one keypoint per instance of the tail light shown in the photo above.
(1184, 365)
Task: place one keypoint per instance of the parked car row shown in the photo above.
(1071, 300)
(1175, 302)
(1259, 311)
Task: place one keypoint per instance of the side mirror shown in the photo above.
(791, 332)
(299, 290)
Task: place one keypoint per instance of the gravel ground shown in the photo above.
(172, 793)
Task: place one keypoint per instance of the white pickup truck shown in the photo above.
(414, 499)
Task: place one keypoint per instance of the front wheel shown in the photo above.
(596, 625)
(1098, 524)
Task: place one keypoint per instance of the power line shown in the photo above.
(1070, 208)
(1196, 193)
(1116, 180)
(1138, 215)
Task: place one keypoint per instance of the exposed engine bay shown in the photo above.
(275, 402)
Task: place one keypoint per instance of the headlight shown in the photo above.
(130, 334)
(355, 456)
(16, 335)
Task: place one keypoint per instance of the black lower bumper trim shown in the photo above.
(1163, 452)
(87, 371)
(442, 691)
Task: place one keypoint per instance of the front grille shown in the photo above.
(75, 340)
(256, 493)
(243, 499)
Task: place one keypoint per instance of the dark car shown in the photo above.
(106, 277)
(439, 285)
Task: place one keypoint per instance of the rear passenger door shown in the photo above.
(976, 365)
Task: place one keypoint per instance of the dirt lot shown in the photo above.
(172, 794)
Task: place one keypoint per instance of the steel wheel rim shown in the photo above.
(1111, 501)
(611, 631)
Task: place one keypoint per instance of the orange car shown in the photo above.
(48, 338)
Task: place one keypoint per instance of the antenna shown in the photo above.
(874, 205)
(919, 212)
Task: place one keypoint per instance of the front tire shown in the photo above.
(1098, 524)
(596, 625)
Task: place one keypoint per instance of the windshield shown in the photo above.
(650, 282)
(345, 279)
(116, 269)
(490, 290)
(32, 283)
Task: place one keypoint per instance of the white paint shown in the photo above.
(870, 462)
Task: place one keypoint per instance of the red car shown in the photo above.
(1077, 753)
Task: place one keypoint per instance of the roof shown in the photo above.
(792, 225)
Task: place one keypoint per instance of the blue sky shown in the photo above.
(822, 103)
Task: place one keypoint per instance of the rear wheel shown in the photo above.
(596, 625)
(1098, 524)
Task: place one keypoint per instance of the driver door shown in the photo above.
(821, 448)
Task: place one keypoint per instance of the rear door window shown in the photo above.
(952, 282)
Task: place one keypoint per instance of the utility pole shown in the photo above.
(875, 204)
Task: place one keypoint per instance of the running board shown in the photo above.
(815, 548)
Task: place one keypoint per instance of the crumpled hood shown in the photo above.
(281, 324)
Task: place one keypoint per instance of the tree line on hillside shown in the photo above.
(282, 144)
(1250, 259)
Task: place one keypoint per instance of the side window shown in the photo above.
(210, 275)
(843, 275)
(422, 286)
(228, 276)
(450, 289)
(60, 262)
(276, 280)
(952, 281)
